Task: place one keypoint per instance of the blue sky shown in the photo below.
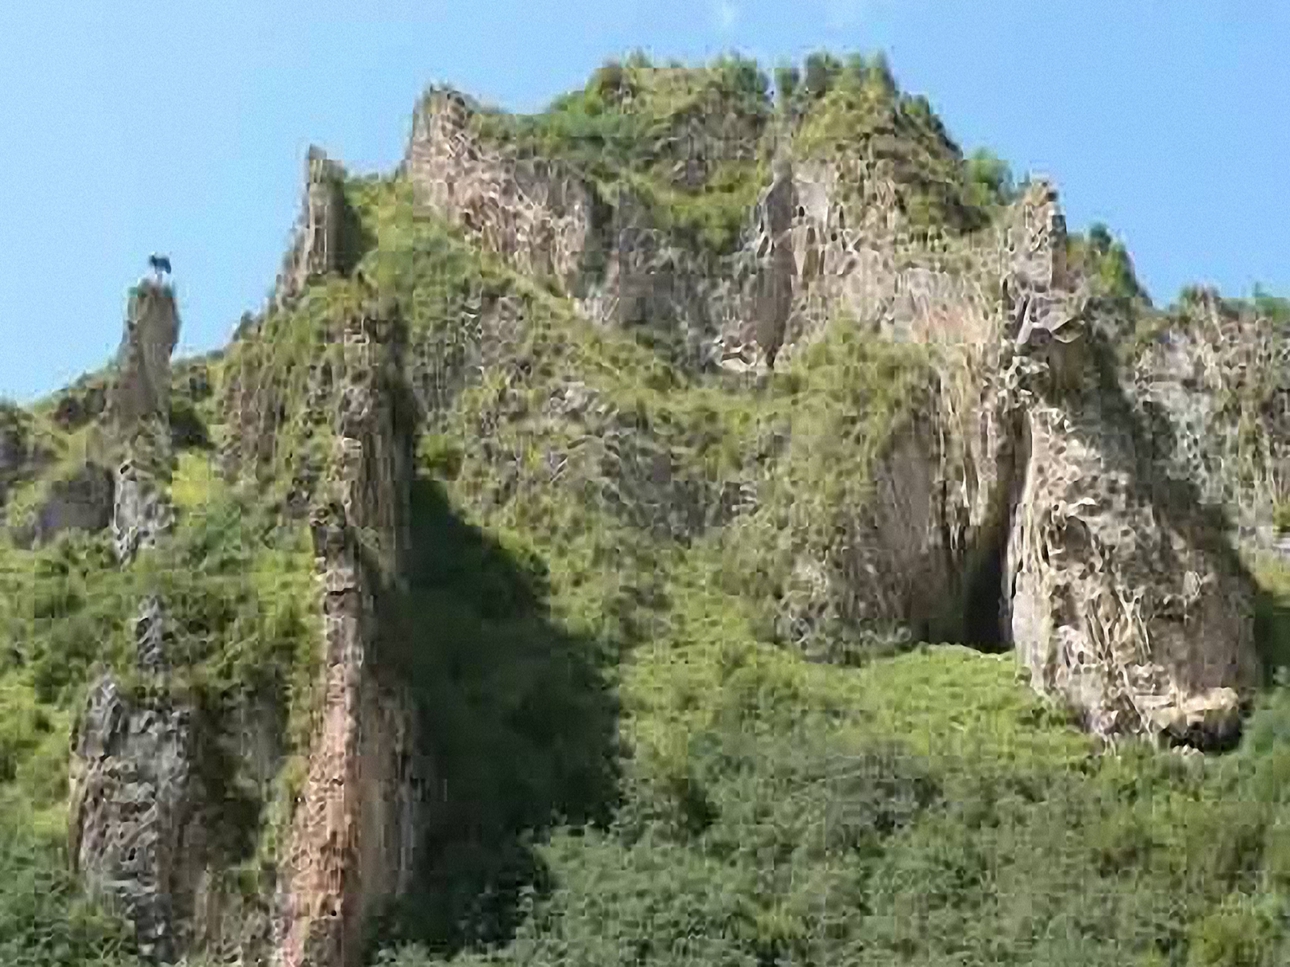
(128, 127)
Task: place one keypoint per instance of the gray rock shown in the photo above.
(141, 511)
(134, 835)
(81, 501)
(319, 242)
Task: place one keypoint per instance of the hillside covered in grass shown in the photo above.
(627, 537)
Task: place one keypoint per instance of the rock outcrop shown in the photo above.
(1018, 497)
(533, 213)
(137, 810)
(137, 820)
(80, 501)
(1025, 493)
(355, 826)
(1123, 595)
(74, 496)
(139, 419)
(1213, 379)
(546, 220)
(322, 241)
(1025, 446)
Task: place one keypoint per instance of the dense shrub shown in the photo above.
(44, 919)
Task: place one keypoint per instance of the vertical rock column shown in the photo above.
(350, 846)
(318, 245)
(1123, 597)
(133, 780)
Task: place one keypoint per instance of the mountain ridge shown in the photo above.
(579, 470)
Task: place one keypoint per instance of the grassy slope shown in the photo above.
(922, 809)
(631, 771)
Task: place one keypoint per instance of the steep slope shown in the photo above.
(538, 577)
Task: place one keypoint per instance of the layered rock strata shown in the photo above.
(319, 244)
(137, 832)
(352, 839)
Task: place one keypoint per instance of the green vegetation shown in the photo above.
(637, 759)
(686, 142)
(1281, 517)
(923, 808)
(238, 593)
(854, 110)
(694, 144)
(1106, 263)
(44, 920)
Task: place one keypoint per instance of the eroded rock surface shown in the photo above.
(137, 827)
(352, 838)
(531, 212)
(322, 241)
(81, 501)
(139, 413)
(1214, 380)
(546, 220)
(1025, 494)
(1123, 595)
(1026, 443)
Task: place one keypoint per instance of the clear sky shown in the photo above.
(130, 127)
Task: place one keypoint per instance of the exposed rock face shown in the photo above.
(79, 499)
(141, 392)
(644, 279)
(136, 816)
(82, 402)
(1215, 383)
(1024, 445)
(141, 511)
(136, 824)
(826, 237)
(532, 212)
(1123, 596)
(139, 410)
(546, 220)
(354, 828)
(82, 501)
(1024, 495)
(320, 244)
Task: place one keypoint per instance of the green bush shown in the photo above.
(44, 919)
(1281, 517)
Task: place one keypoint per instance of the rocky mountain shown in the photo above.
(699, 523)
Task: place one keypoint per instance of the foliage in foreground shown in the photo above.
(44, 920)
(632, 770)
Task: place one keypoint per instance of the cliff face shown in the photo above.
(354, 832)
(320, 242)
(150, 827)
(1115, 592)
(1214, 380)
(531, 212)
(547, 220)
(1027, 481)
(710, 344)
(136, 825)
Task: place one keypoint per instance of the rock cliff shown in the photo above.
(668, 348)
(322, 241)
(1213, 377)
(355, 827)
(531, 212)
(137, 801)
